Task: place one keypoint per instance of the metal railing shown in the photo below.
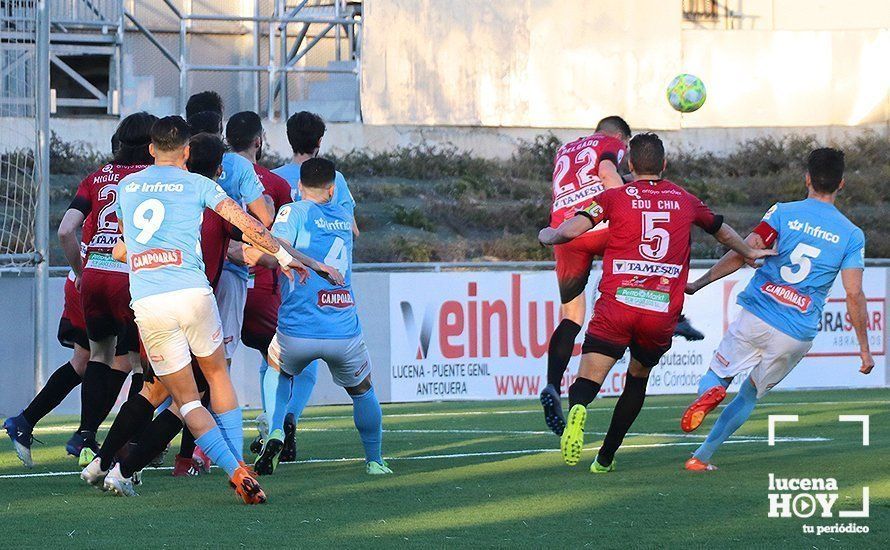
(283, 58)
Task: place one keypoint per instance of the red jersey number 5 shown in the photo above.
(655, 240)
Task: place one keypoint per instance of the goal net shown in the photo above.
(18, 131)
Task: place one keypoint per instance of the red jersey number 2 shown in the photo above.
(655, 240)
(107, 219)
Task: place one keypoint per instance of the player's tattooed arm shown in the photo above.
(325, 271)
(731, 262)
(71, 222)
(256, 233)
(857, 311)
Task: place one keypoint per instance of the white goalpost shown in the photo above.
(24, 153)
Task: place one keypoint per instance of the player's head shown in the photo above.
(825, 170)
(132, 137)
(646, 155)
(204, 101)
(304, 133)
(170, 140)
(244, 131)
(614, 126)
(205, 155)
(317, 178)
(209, 122)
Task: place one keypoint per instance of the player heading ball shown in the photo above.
(645, 267)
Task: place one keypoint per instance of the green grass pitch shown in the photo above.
(480, 474)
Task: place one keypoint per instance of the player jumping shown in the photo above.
(645, 266)
(319, 321)
(782, 304)
(581, 171)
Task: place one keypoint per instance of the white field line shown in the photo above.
(450, 456)
(71, 427)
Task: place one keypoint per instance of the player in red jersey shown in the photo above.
(582, 170)
(104, 283)
(645, 267)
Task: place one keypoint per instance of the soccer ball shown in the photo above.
(686, 93)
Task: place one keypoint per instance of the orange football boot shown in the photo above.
(695, 414)
(247, 487)
(696, 465)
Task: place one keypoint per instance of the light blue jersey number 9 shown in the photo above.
(148, 224)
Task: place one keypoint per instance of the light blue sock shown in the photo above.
(164, 406)
(301, 390)
(231, 424)
(733, 416)
(264, 366)
(276, 388)
(711, 380)
(217, 448)
(368, 420)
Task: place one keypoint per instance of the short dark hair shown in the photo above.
(170, 133)
(826, 169)
(304, 132)
(206, 122)
(131, 139)
(204, 101)
(242, 129)
(205, 154)
(317, 173)
(647, 153)
(614, 125)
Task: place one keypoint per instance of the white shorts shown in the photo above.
(750, 343)
(347, 359)
(231, 295)
(176, 325)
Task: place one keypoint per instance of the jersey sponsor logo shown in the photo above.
(787, 296)
(104, 262)
(333, 225)
(155, 258)
(769, 213)
(576, 197)
(104, 240)
(632, 191)
(340, 298)
(814, 231)
(641, 267)
(642, 298)
(157, 187)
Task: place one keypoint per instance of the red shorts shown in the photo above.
(72, 329)
(260, 318)
(614, 327)
(574, 260)
(105, 296)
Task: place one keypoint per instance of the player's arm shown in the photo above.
(355, 231)
(257, 233)
(858, 314)
(731, 262)
(263, 210)
(71, 222)
(119, 252)
(584, 221)
(255, 256)
(234, 254)
(728, 237)
(609, 175)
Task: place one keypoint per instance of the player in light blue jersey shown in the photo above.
(239, 180)
(319, 321)
(160, 213)
(782, 304)
(305, 131)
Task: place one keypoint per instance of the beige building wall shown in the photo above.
(566, 63)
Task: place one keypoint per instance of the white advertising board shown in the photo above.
(484, 335)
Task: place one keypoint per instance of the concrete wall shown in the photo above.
(566, 63)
